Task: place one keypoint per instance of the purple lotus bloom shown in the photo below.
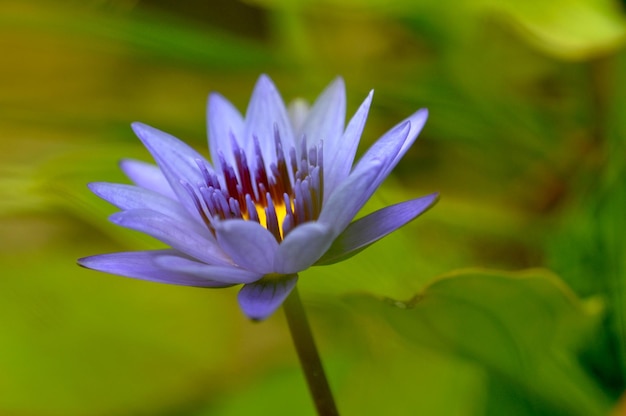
(280, 196)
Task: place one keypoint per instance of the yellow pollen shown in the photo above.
(281, 213)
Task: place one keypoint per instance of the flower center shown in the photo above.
(278, 195)
(280, 212)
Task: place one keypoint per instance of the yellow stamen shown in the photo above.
(281, 213)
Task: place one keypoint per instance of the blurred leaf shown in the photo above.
(76, 342)
(589, 248)
(267, 397)
(395, 378)
(523, 328)
(579, 29)
(142, 32)
(372, 371)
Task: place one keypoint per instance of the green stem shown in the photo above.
(308, 355)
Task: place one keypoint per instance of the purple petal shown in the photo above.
(187, 237)
(177, 161)
(376, 164)
(302, 247)
(326, 119)
(145, 265)
(348, 199)
(392, 146)
(266, 111)
(249, 244)
(127, 197)
(298, 111)
(147, 175)
(259, 300)
(223, 120)
(225, 274)
(375, 226)
(339, 154)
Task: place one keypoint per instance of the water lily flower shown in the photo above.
(279, 196)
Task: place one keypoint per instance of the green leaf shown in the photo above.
(144, 33)
(590, 240)
(569, 29)
(523, 328)
(77, 342)
(367, 365)
(578, 29)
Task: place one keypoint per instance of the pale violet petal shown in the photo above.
(392, 146)
(348, 198)
(298, 110)
(224, 121)
(144, 265)
(266, 112)
(225, 274)
(147, 175)
(128, 197)
(339, 154)
(186, 237)
(302, 247)
(251, 246)
(417, 120)
(261, 299)
(375, 165)
(371, 228)
(178, 162)
(326, 119)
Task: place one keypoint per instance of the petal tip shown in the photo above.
(265, 82)
(215, 98)
(261, 299)
(339, 82)
(125, 163)
(434, 199)
(144, 132)
(138, 126)
(118, 217)
(141, 130)
(93, 186)
(82, 262)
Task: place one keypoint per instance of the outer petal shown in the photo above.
(147, 176)
(177, 161)
(298, 111)
(145, 265)
(302, 247)
(378, 162)
(259, 300)
(339, 154)
(266, 112)
(349, 197)
(186, 237)
(224, 274)
(327, 117)
(127, 197)
(223, 120)
(393, 145)
(249, 244)
(375, 226)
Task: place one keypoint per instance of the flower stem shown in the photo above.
(308, 355)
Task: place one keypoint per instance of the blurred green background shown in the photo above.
(525, 143)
